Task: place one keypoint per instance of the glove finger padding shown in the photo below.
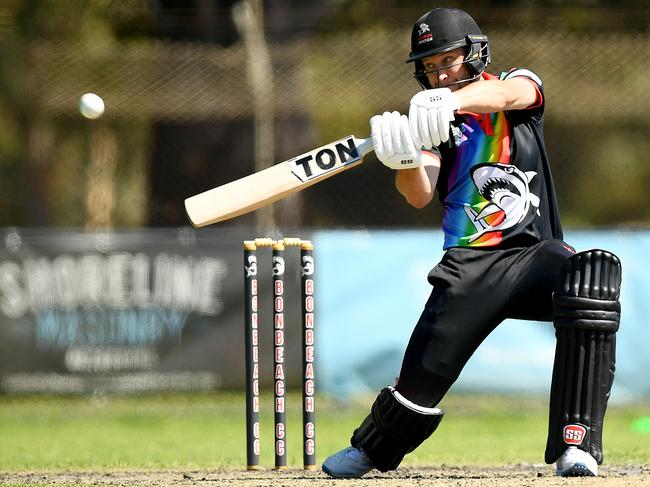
(387, 134)
(433, 116)
(423, 127)
(377, 138)
(395, 127)
(413, 125)
(443, 125)
(409, 145)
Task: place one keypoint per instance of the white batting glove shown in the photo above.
(391, 137)
(430, 114)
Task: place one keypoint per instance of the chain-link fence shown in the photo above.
(181, 119)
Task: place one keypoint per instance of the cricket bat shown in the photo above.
(283, 179)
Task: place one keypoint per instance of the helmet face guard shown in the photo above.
(442, 30)
(477, 57)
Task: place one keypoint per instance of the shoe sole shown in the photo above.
(577, 470)
(329, 472)
(334, 476)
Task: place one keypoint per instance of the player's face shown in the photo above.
(447, 69)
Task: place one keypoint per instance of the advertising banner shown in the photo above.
(145, 310)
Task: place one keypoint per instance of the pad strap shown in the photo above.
(586, 313)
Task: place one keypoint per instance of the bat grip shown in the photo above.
(364, 146)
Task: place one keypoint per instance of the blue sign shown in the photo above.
(372, 286)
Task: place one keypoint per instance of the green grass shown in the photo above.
(207, 431)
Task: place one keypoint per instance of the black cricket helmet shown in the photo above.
(446, 29)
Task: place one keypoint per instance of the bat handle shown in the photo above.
(364, 146)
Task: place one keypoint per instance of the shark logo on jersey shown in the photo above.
(307, 265)
(251, 267)
(507, 191)
(278, 266)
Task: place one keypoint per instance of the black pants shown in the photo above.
(473, 291)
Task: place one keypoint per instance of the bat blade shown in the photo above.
(269, 185)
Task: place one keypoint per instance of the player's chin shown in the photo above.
(459, 85)
(453, 85)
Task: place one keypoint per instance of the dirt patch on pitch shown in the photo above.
(519, 475)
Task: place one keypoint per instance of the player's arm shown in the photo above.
(417, 185)
(489, 96)
(431, 111)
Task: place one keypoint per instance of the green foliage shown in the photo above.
(36, 150)
(352, 66)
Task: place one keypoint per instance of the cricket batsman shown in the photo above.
(477, 138)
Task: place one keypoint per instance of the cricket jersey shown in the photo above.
(495, 181)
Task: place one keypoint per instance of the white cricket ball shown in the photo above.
(91, 106)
